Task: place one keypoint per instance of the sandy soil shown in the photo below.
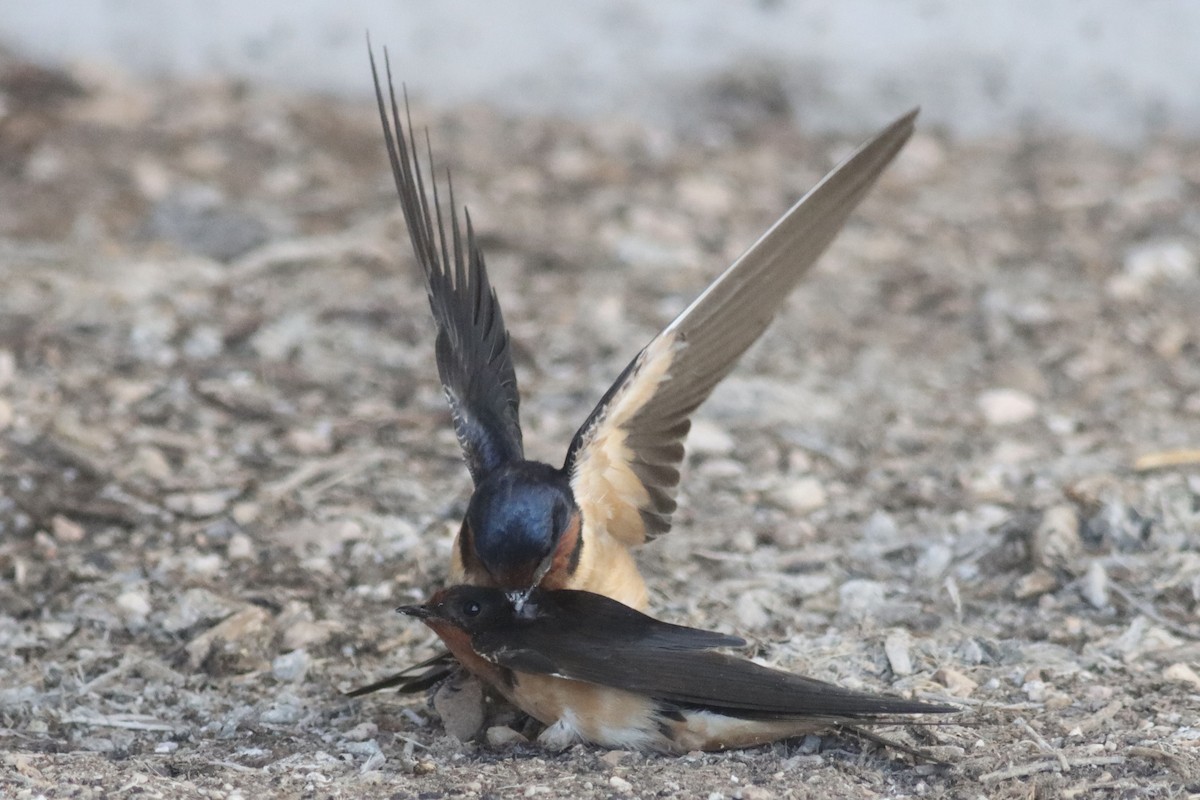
(961, 465)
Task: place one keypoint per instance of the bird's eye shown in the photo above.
(471, 608)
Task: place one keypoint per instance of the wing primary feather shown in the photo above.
(457, 233)
(437, 200)
(473, 354)
(679, 368)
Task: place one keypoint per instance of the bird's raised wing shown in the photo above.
(593, 639)
(473, 355)
(624, 460)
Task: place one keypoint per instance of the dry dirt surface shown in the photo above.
(961, 465)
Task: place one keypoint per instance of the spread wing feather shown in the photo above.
(473, 356)
(624, 460)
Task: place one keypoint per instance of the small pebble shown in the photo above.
(620, 784)
(307, 633)
(1055, 542)
(934, 562)
(150, 462)
(8, 368)
(205, 565)
(810, 744)
(66, 530)
(460, 704)
(290, 667)
(881, 529)
(750, 612)
(240, 548)
(1002, 407)
(753, 792)
(502, 735)
(245, 513)
(1035, 584)
(896, 647)
(197, 504)
(801, 495)
(958, 684)
(250, 625)
(195, 606)
(134, 607)
(361, 732)
(1152, 264)
(1095, 586)
(614, 757)
(1180, 672)
(317, 440)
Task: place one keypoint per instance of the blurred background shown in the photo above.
(1111, 68)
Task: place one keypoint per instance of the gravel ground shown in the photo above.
(963, 463)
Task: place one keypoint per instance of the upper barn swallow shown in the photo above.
(529, 523)
(596, 670)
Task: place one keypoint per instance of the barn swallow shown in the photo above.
(593, 669)
(530, 523)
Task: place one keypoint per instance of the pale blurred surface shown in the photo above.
(1110, 68)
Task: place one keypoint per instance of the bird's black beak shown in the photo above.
(420, 612)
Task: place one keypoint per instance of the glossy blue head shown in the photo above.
(516, 521)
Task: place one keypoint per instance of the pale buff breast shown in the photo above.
(599, 714)
(607, 567)
(705, 730)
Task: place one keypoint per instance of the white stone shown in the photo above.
(896, 647)
(801, 496)
(1007, 407)
(134, 606)
(1095, 586)
(290, 667)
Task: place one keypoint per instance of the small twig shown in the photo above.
(104, 677)
(233, 766)
(884, 741)
(1087, 789)
(131, 722)
(1174, 762)
(1033, 768)
(1042, 743)
(719, 556)
(1153, 613)
(413, 742)
(1167, 458)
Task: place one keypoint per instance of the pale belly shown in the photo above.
(618, 719)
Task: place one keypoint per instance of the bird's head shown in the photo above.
(470, 609)
(522, 528)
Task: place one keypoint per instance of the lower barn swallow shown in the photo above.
(530, 523)
(595, 670)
